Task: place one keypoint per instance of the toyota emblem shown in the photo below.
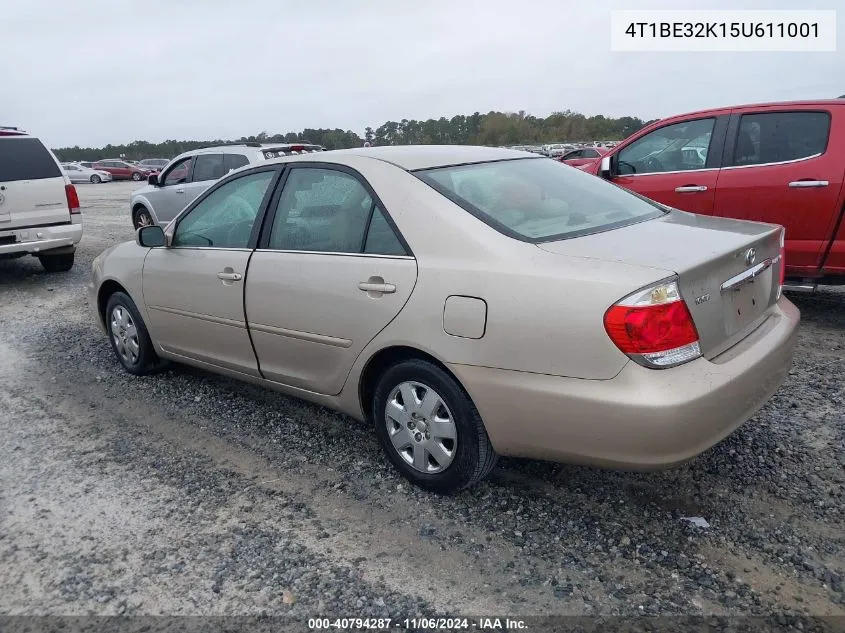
(750, 256)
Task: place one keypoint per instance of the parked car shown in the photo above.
(39, 207)
(556, 149)
(468, 301)
(78, 173)
(775, 162)
(86, 163)
(191, 173)
(121, 170)
(582, 156)
(154, 165)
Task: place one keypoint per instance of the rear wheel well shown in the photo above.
(384, 359)
(108, 288)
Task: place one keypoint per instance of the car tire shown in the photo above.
(142, 217)
(57, 263)
(136, 176)
(411, 430)
(96, 180)
(129, 337)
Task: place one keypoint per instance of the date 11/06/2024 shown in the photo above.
(723, 29)
(417, 624)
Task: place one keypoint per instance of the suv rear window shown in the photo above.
(539, 199)
(26, 159)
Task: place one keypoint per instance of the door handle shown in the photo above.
(378, 287)
(690, 188)
(226, 276)
(800, 184)
(180, 190)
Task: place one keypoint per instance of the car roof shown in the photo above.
(413, 157)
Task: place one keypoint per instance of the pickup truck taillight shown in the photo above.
(72, 199)
(654, 327)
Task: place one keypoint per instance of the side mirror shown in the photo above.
(150, 236)
(153, 179)
(604, 167)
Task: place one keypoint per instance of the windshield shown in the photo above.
(539, 200)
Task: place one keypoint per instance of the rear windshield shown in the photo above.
(538, 199)
(26, 159)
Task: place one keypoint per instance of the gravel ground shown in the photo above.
(187, 493)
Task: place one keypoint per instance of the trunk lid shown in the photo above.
(728, 270)
(32, 186)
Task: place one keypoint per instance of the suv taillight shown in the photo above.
(72, 199)
(654, 327)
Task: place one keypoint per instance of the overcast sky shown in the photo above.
(90, 72)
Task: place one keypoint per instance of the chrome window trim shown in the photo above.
(298, 252)
(205, 248)
(663, 173)
(782, 162)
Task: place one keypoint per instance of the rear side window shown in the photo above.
(209, 167)
(234, 161)
(26, 159)
(538, 199)
(776, 137)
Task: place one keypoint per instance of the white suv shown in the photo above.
(39, 207)
(189, 174)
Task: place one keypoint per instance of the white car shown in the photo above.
(80, 173)
(39, 207)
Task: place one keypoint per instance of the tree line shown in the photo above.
(493, 128)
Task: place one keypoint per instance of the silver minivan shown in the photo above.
(189, 174)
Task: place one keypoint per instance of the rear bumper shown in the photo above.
(642, 418)
(39, 239)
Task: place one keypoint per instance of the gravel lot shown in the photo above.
(186, 493)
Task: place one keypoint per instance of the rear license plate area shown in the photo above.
(7, 239)
(745, 303)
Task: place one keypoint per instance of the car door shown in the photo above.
(780, 168)
(194, 287)
(169, 198)
(330, 273)
(208, 168)
(656, 165)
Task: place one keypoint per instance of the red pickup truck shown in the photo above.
(782, 163)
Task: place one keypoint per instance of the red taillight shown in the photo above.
(72, 199)
(654, 326)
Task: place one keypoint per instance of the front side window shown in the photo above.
(208, 167)
(776, 137)
(573, 154)
(677, 147)
(539, 199)
(224, 218)
(590, 153)
(179, 173)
